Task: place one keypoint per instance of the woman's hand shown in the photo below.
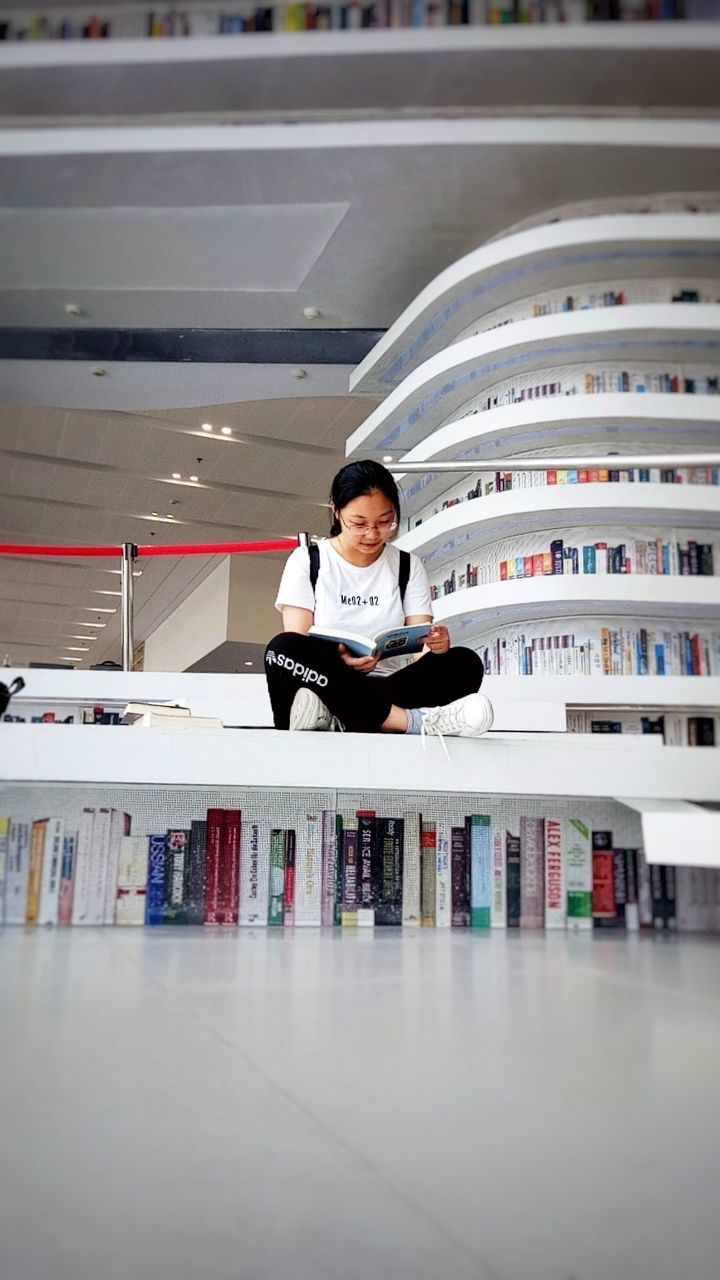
(438, 641)
(363, 665)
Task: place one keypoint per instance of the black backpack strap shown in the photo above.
(314, 556)
(404, 574)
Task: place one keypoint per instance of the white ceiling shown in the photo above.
(255, 225)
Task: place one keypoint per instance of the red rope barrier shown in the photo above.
(209, 549)
(220, 548)
(8, 549)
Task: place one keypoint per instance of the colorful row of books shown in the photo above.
(630, 650)
(331, 869)
(508, 481)
(198, 20)
(604, 383)
(593, 302)
(639, 555)
(676, 729)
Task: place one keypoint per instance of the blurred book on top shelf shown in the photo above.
(150, 715)
(136, 22)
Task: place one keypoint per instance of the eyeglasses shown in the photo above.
(359, 527)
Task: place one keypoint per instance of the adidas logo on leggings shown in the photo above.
(307, 674)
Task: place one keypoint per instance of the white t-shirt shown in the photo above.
(363, 599)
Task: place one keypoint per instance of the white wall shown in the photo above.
(196, 627)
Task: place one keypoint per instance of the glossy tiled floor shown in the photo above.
(434, 1106)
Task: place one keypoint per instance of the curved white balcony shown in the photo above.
(669, 336)
(558, 256)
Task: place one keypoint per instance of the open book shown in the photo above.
(396, 641)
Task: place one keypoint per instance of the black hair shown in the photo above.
(357, 479)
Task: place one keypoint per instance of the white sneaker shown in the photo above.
(468, 717)
(308, 713)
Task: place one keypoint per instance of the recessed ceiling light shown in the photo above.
(78, 638)
(311, 313)
(97, 608)
(176, 475)
(194, 479)
(98, 372)
(94, 625)
(136, 572)
(299, 373)
(207, 426)
(388, 457)
(100, 591)
(156, 514)
(76, 648)
(72, 309)
(169, 517)
(248, 664)
(226, 431)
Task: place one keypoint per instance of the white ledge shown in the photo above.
(545, 764)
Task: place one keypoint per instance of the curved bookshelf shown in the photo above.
(522, 511)
(476, 609)
(565, 423)
(436, 392)
(559, 255)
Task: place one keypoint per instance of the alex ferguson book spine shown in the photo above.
(555, 905)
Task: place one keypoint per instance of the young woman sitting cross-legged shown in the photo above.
(318, 684)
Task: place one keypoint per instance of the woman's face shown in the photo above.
(368, 520)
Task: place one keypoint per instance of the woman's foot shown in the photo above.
(468, 717)
(308, 713)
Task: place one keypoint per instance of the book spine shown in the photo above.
(277, 876)
(229, 874)
(120, 824)
(99, 867)
(254, 875)
(83, 868)
(339, 869)
(460, 878)
(130, 906)
(389, 845)
(620, 885)
(532, 873)
(308, 871)
(4, 851)
(18, 870)
(289, 878)
(155, 899)
(632, 913)
(214, 825)
(67, 880)
(366, 857)
(411, 871)
(555, 904)
(498, 915)
(351, 887)
(513, 872)
(578, 874)
(481, 855)
(329, 868)
(645, 910)
(195, 872)
(52, 869)
(174, 909)
(603, 880)
(37, 849)
(443, 905)
(428, 873)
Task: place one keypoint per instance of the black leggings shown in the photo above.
(362, 702)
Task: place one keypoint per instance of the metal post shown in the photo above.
(129, 552)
